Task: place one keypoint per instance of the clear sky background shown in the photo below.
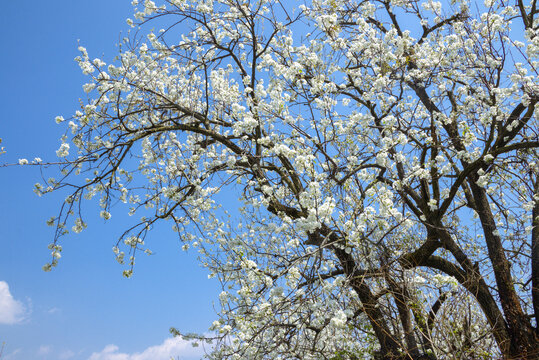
(83, 309)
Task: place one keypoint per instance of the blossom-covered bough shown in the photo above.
(361, 176)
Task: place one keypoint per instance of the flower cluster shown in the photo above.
(381, 157)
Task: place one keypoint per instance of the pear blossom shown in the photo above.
(359, 176)
(63, 151)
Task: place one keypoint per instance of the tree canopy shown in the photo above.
(361, 176)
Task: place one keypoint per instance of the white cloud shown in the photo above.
(12, 354)
(68, 354)
(11, 310)
(44, 350)
(53, 310)
(172, 347)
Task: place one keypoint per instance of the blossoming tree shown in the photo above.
(361, 176)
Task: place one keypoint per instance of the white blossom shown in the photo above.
(323, 163)
(63, 151)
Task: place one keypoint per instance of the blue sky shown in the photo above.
(84, 309)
